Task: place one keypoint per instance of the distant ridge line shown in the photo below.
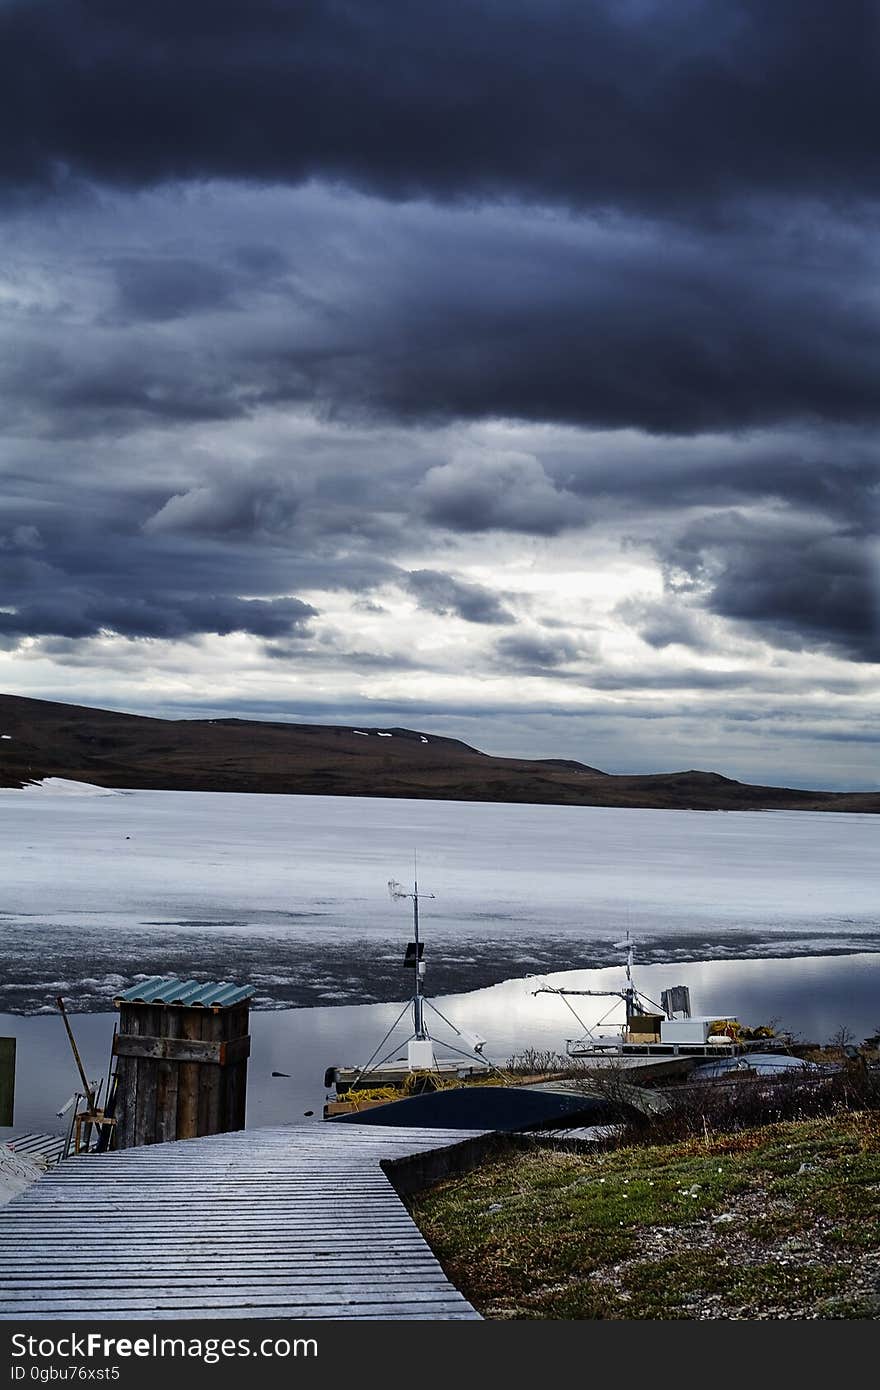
(47, 738)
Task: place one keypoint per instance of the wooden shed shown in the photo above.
(181, 1060)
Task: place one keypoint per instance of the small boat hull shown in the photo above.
(501, 1108)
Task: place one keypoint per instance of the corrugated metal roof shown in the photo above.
(188, 994)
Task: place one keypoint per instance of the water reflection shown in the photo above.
(810, 996)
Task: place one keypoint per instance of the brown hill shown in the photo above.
(49, 739)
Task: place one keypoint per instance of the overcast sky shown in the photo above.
(503, 368)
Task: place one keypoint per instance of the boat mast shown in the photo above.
(632, 1006)
(631, 997)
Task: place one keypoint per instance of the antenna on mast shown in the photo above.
(415, 957)
(631, 994)
(420, 1044)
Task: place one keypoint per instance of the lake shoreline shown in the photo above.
(811, 996)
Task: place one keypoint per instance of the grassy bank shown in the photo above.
(775, 1222)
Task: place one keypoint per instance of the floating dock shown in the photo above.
(292, 1222)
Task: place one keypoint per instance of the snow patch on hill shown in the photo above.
(64, 786)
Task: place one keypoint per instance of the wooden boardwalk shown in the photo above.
(45, 1148)
(294, 1222)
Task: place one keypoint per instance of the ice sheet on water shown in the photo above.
(210, 885)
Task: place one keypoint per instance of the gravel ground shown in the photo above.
(726, 1238)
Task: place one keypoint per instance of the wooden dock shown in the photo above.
(294, 1222)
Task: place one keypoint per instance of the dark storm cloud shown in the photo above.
(170, 288)
(437, 592)
(336, 655)
(796, 583)
(664, 623)
(161, 615)
(633, 103)
(486, 491)
(255, 504)
(831, 473)
(363, 297)
(121, 554)
(534, 655)
(79, 383)
(422, 316)
(84, 573)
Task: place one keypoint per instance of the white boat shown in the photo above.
(652, 1029)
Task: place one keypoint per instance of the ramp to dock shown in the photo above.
(288, 1222)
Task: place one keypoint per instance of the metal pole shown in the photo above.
(364, 1069)
(69, 1140)
(418, 1006)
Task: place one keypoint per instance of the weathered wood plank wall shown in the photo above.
(182, 1072)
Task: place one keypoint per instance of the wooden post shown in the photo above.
(127, 1085)
(235, 1090)
(7, 1080)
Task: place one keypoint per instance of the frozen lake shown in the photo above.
(289, 893)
